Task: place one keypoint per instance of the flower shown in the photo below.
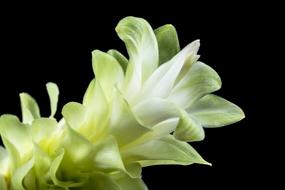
(137, 112)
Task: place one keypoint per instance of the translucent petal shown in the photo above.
(168, 42)
(53, 93)
(214, 111)
(30, 108)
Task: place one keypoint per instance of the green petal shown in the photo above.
(108, 72)
(142, 48)
(99, 181)
(53, 93)
(189, 129)
(97, 111)
(200, 80)
(30, 108)
(168, 42)
(167, 150)
(75, 115)
(124, 126)
(154, 110)
(4, 161)
(20, 173)
(16, 136)
(128, 183)
(122, 60)
(163, 79)
(3, 184)
(42, 131)
(107, 156)
(214, 111)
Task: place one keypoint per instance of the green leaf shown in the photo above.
(53, 93)
(122, 60)
(199, 81)
(108, 72)
(16, 137)
(20, 173)
(168, 42)
(188, 129)
(166, 150)
(214, 111)
(30, 108)
(142, 48)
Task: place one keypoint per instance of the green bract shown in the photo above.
(137, 112)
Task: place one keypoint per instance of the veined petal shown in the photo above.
(16, 136)
(122, 60)
(154, 110)
(200, 80)
(124, 126)
(166, 150)
(127, 183)
(168, 42)
(53, 93)
(30, 108)
(108, 72)
(188, 129)
(163, 79)
(20, 173)
(107, 156)
(214, 111)
(142, 47)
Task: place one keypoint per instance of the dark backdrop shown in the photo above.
(55, 45)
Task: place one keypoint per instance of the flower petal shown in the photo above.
(53, 93)
(168, 42)
(108, 72)
(3, 184)
(214, 111)
(20, 173)
(163, 79)
(188, 129)
(128, 183)
(124, 126)
(122, 60)
(200, 80)
(30, 108)
(166, 150)
(15, 137)
(143, 52)
(154, 110)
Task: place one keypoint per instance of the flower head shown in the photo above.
(137, 112)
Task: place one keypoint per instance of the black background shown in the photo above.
(54, 44)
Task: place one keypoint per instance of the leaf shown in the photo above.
(166, 150)
(168, 42)
(30, 108)
(199, 81)
(142, 48)
(53, 93)
(108, 72)
(214, 111)
(122, 60)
